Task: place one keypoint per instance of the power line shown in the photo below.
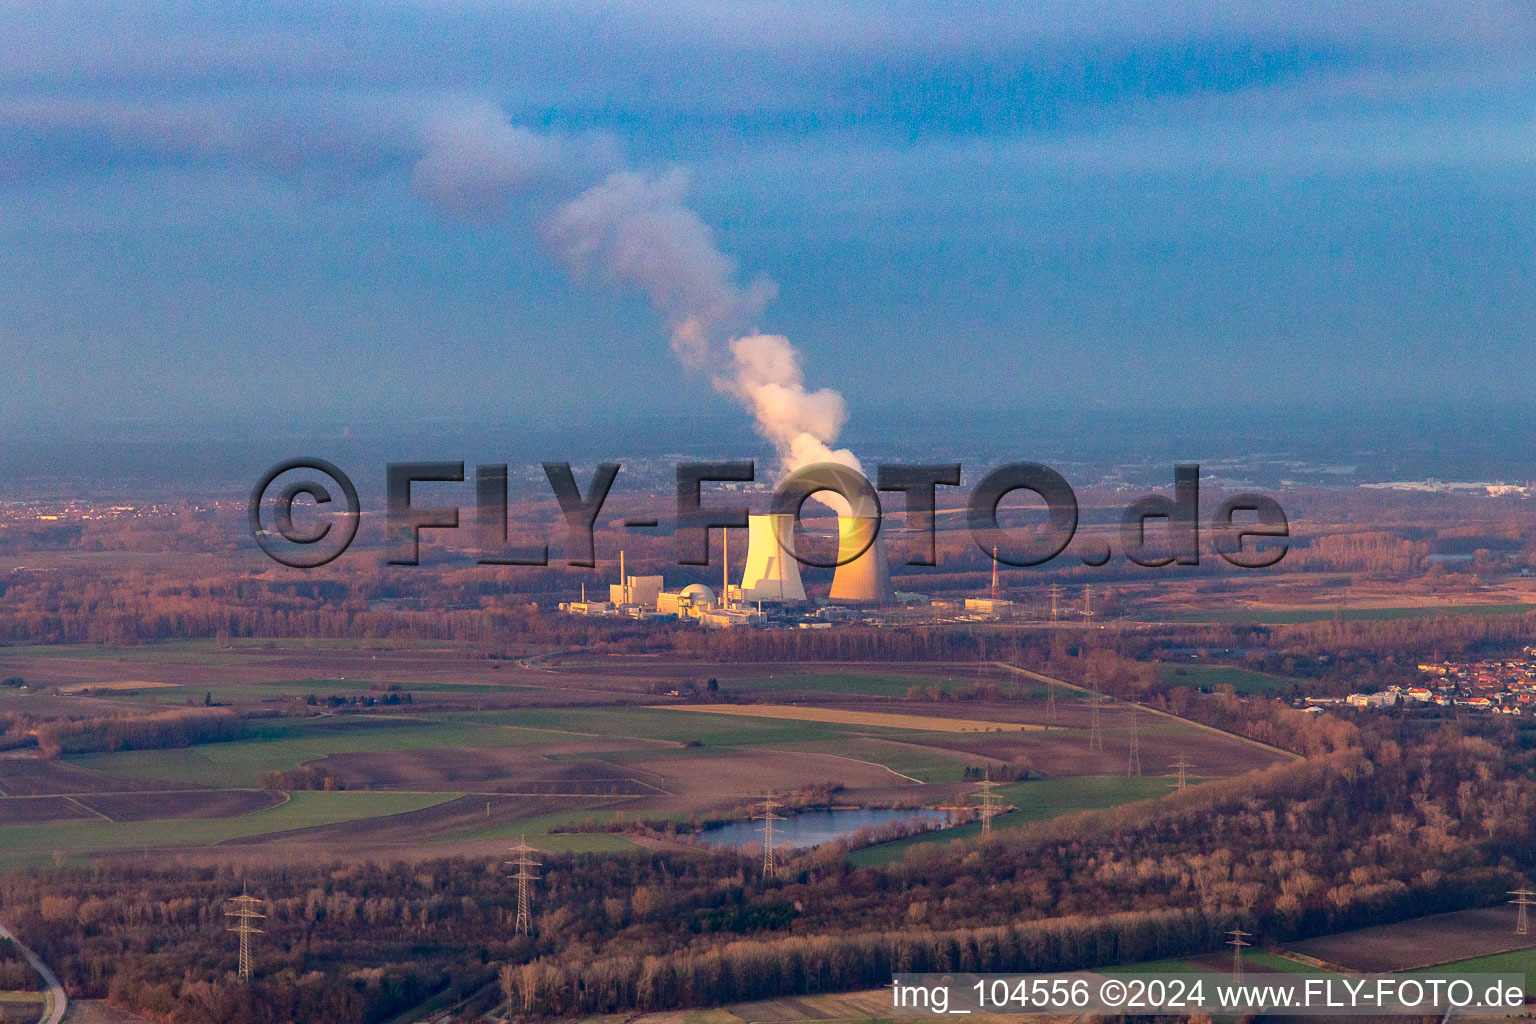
(988, 801)
(1181, 768)
(767, 817)
(1237, 944)
(1095, 731)
(1133, 763)
(1522, 900)
(526, 874)
(245, 915)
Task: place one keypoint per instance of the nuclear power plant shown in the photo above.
(770, 590)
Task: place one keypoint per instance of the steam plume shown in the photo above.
(638, 230)
(475, 159)
(767, 379)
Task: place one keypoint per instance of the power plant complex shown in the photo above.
(770, 580)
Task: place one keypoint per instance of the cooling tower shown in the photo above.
(772, 574)
(866, 579)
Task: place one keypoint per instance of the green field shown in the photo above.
(842, 682)
(284, 744)
(544, 830)
(1209, 677)
(655, 723)
(878, 685)
(1520, 961)
(1155, 967)
(200, 651)
(926, 764)
(1037, 800)
(1260, 958)
(1251, 958)
(301, 810)
(236, 690)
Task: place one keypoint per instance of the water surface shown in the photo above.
(812, 828)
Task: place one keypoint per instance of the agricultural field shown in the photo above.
(1519, 961)
(1209, 677)
(298, 811)
(1424, 942)
(21, 1007)
(431, 750)
(849, 1007)
(1036, 800)
(838, 716)
(912, 761)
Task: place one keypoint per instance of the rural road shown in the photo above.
(57, 1002)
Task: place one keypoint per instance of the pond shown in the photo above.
(812, 828)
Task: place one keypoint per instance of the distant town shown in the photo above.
(1500, 686)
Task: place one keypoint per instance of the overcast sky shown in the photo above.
(335, 213)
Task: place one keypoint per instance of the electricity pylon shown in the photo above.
(1181, 769)
(245, 915)
(1522, 899)
(1095, 732)
(1133, 763)
(1237, 944)
(526, 874)
(767, 817)
(988, 801)
(1055, 601)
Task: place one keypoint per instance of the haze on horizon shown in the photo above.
(333, 213)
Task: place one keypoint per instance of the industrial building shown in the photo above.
(635, 590)
(585, 607)
(692, 599)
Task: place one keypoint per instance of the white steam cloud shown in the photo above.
(766, 377)
(638, 230)
(476, 159)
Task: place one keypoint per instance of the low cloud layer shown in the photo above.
(468, 160)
